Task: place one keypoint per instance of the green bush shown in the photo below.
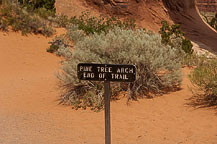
(21, 20)
(210, 18)
(158, 66)
(3, 25)
(36, 4)
(57, 44)
(170, 33)
(213, 22)
(43, 13)
(91, 24)
(204, 76)
(61, 21)
(87, 25)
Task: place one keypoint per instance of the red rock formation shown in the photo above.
(185, 13)
(150, 13)
(207, 5)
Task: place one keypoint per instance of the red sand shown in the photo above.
(29, 113)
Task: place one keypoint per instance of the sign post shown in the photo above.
(107, 112)
(106, 73)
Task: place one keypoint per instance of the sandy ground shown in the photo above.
(29, 113)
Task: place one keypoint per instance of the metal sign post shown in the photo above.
(106, 73)
(107, 94)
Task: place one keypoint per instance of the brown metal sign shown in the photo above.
(106, 72)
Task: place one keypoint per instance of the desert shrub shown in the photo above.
(170, 33)
(61, 20)
(158, 66)
(3, 25)
(210, 18)
(60, 45)
(91, 24)
(49, 5)
(44, 13)
(74, 34)
(191, 60)
(79, 27)
(213, 22)
(204, 77)
(21, 20)
(55, 44)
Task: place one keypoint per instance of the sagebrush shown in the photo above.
(158, 66)
(204, 77)
(20, 19)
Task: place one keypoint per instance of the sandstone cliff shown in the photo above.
(149, 14)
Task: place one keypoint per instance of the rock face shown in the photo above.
(149, 14)
(207, 5)
(184, 12)
(124, 6)
(117, 7)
